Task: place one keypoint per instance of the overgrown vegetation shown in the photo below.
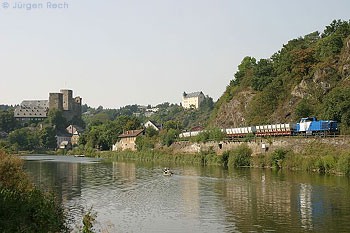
(23, 207)
(214, 134)
(165, 112)
(239, 157)
(317, 157)
(307, 77)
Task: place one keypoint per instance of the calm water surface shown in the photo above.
(136, 197)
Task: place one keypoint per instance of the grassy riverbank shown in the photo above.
(166, 156)
(316, 157)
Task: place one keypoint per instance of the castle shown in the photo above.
(37, 110)
(192, 100)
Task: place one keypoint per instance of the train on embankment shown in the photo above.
(309, 126)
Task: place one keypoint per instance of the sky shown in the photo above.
(121, 52)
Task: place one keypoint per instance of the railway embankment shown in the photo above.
(263, 145)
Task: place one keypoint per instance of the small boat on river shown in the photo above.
(79, 155)
(167, 172)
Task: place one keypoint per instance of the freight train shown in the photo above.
(307, 126)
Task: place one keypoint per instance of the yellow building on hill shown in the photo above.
(192, 100)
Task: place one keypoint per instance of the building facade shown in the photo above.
(37, 110)
(192, 100)
(153, 125)
(127, 140)
(75, 131)
(63, 140)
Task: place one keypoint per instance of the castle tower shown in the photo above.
(56, 101)
(77, 106)
(67, 99)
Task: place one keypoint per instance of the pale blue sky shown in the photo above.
(114, 52)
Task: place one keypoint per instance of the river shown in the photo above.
(136, 197)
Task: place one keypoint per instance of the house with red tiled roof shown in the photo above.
(127, 140)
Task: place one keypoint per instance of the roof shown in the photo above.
(154, 124)
(131, 133)
(74, 129)
(63, 134)
(197, 128)
(193, 94)
(32, 109)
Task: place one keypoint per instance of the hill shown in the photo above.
(309, 76)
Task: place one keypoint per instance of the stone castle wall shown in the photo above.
(64, 101)
(56, 101)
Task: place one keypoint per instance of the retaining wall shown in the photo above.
(261, 145)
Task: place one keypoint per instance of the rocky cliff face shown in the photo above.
(313, 87)
(233, 113)
(345, 60)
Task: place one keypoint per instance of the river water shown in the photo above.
(136, 197)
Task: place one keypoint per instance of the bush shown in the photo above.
(329, 163)
(277, 158)
(23, 207)
(30, 211)
(145, 143)
(293, 161)
(240, 156)
(214, 134)
(168, 137)
(211, 158)
(343, 164)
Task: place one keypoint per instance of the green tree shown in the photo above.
(7, 121)
(172, 125)
(150, 132)
(56, 118)
(337, 105)
(145, 143)
(47, 138)
(263, 74)
(78, 121)
(169, 137)
(333, 38)
(104, 135)
(247, 64)
(24, 139)
(303, 109)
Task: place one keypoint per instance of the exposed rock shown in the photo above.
(306, 88)
(300, 90)
(232, 114)
(345, 59)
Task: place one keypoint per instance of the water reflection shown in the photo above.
(136, 197)
(190, 193)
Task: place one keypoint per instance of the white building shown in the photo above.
(153, 125)
(62, 138)
(192, 100)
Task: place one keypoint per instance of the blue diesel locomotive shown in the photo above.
(311, 126)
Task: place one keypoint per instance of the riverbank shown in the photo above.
(313, 157)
